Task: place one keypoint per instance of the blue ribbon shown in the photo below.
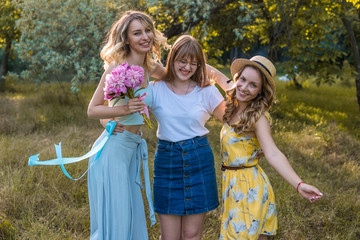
(142, 154)
(59, 160)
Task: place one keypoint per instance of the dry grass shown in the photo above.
(317, 128)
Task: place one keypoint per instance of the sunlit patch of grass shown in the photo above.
(352, 170)
(318, 116)
(319, 106)
(327, 158)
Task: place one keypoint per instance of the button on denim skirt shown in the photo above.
(184, 177)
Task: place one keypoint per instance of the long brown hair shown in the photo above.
(115, 47)
(184, 47)
(255, 108)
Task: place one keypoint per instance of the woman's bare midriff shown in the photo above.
(135, 129)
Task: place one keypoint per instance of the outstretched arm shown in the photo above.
(280, 163)
(97, 109)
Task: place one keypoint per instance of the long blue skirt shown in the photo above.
(116, 204)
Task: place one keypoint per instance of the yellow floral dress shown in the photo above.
(248, 208)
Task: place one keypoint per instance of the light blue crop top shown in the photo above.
(135, 118)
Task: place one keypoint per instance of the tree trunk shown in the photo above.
(4, 66)
(296, 83)
(354, 47)
(272, 52)
(358, 89)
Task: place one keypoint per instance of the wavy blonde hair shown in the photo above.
(258, 106)
(186, 46)
(116, 49)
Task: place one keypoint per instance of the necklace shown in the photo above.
(173, 87)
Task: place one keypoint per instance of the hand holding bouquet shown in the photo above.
(122, 82)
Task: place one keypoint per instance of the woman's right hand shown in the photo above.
(135, 105)
(309, 192)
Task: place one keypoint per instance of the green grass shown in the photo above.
(317, 128)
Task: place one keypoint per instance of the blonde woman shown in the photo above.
(248, 210)
(114, 180)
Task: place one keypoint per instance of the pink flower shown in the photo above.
(122, 81)
(134, 75)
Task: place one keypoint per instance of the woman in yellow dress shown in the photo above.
(248, 210)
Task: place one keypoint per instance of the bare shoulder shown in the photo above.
(263, 123)
(111, 66)
(264, 118)
(263, 134)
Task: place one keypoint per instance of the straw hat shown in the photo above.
(260, 62)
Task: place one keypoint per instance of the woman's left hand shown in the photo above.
(118, 128)
(310, 192)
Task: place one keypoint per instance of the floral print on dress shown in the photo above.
(248, 203)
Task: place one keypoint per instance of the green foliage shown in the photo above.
(184, 12)
(315, 44)
(61, 40)
(197, 18)
(307, 34)
(8, 16)
(8, 34)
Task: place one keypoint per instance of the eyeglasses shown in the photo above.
(182, 63)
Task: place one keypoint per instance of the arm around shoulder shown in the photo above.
(216, 102)
(219, 78)
(219, 111)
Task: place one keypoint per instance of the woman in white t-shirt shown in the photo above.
(184, 174)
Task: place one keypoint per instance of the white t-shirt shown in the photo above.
(182, 117)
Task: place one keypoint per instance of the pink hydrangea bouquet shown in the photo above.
(122, 82)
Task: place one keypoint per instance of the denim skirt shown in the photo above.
(184, 177)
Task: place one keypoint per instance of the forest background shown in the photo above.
(50, 67)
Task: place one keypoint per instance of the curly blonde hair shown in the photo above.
(258, 106)
(116, 49)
